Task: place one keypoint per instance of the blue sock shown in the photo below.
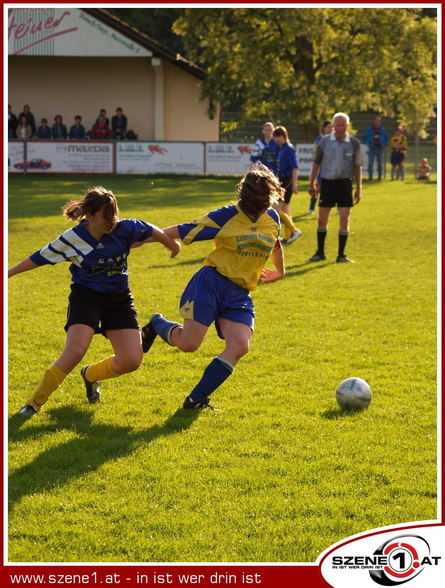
(215, 374)
(163, 327)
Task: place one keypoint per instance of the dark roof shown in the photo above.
(145, 41)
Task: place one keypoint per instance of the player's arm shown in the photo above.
(164, 236)
(277, 258)
(294, 180)
(358, 183)
(314, 174)
(24, 266)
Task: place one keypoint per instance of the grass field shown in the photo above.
(281, 473)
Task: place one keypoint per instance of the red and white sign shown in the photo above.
(91, 157)
(159, 158)
(227, 158)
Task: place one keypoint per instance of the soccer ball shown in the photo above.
(353, 393)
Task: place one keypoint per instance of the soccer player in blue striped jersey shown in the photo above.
(265, 149)
(245, 236)
(100, 300)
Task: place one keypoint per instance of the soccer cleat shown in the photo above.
(148, 334)
(310, 211)
(293, 237)
(28, 410)
(343, 259)
(92, 388)
(317, 257)
(200, 403)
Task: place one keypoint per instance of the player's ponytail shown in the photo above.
(258, 190)
(95, 199)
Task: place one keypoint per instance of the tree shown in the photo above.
(307, 63)
(154, 22)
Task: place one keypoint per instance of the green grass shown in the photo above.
(281, 473)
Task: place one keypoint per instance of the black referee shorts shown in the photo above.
(336, 193)
(101, 312)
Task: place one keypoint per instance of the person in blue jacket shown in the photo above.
(376, 138)
(100, 301)
(287, 164)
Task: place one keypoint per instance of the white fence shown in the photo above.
(140, 157)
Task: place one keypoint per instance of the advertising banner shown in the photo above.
(88, 157)
(65, 31)
(159, 158)
(16, 156)
(305, 152)
(227, 158)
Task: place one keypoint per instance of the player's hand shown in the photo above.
(176, 250)
(357, 196)
(270, 275)
(312, 190)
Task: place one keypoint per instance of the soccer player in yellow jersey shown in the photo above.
(399, 146)
(245, 235)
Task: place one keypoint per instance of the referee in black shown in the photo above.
(342, 161)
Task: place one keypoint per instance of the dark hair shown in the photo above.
(258, 190)
(44, 120)
(77, 116)
(326, 123)
(281, 131)
(95, 199)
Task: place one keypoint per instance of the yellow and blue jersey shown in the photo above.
(398, 142)
(97, 264)
(241, 246)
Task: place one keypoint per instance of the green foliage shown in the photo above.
(154, 22)
(281, 474)
(307, 63)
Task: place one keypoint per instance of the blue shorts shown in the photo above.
(210, 296)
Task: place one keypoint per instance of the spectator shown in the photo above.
(12, 123)
(399, 146)
(31, 120)
(103, 113)
(424, 169)
(58, 130)
(376, 138)
(119, 125)
(24, 129)
(77, 131)
(44, 131)
(100, 130)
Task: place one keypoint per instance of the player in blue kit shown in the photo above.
(245, 236)
(100, 300)
(265, 149)
(287, 173)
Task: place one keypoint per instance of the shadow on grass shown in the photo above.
(96, 445)
(335, 415)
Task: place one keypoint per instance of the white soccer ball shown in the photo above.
(353, 393)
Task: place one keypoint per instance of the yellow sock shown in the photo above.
(51, 380)
(288, 223)
(101, 370)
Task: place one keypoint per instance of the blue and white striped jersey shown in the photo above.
(266, 153)
(99, 265)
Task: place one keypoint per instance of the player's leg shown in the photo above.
(78, 339)
(322, 230)
(237, 337)
(343, 233)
